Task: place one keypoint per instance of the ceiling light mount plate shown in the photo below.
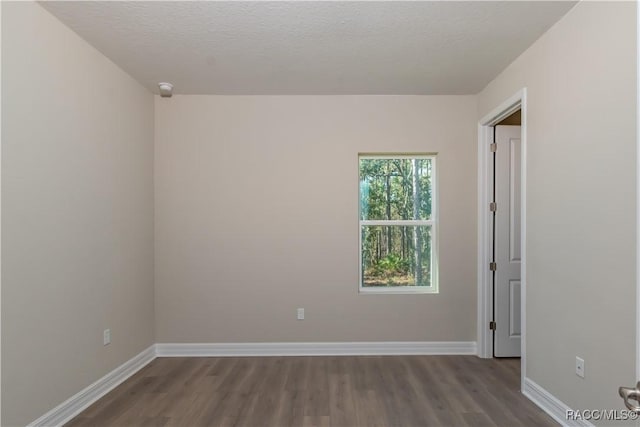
(166, 89)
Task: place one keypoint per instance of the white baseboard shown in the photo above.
(68, 409)
(315, 349)
(551, 404)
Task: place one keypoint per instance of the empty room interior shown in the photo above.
(319, 213)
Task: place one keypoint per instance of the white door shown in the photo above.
(507, 242)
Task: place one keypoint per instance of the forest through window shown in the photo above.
(397, 223)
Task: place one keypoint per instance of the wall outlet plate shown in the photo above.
(300, 314)
(106, 337)
(580, 367)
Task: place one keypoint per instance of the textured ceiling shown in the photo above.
(308, 47)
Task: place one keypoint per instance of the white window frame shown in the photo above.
(433, 222)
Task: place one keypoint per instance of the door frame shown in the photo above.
(637, 190)
(518, 101)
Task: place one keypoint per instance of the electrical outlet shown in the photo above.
(301, 314)
(106, 337)
(579, 367)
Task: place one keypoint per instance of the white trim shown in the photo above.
(392, 156)
(485, 302)
(0, 207)
(523, 238)
(551, 404)
(71, 407)
(398, 290)
(504, 110)
(397, 222)
(638, 191)
(316, 349)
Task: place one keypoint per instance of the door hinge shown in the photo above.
(494, 147)
(492, 325)
(493, 206)
(493, 266)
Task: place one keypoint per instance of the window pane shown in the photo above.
(390, 258)
(395, 189)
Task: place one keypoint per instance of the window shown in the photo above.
(398, 224)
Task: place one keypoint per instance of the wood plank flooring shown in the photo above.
(319, 391)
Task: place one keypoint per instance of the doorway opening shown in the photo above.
(505, 216)
(502, 231)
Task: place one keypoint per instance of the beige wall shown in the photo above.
(77, 220)
(581, 132)
(257, 214)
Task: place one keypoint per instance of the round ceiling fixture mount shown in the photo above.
(166, 89)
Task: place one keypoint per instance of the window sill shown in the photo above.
(399, 290)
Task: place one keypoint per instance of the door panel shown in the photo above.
(514, 308)
(514, 198)
(507, 241)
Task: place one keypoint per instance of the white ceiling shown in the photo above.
(309, 47)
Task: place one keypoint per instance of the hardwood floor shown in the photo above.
(319, 391)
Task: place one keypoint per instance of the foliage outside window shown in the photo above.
(398, 224)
